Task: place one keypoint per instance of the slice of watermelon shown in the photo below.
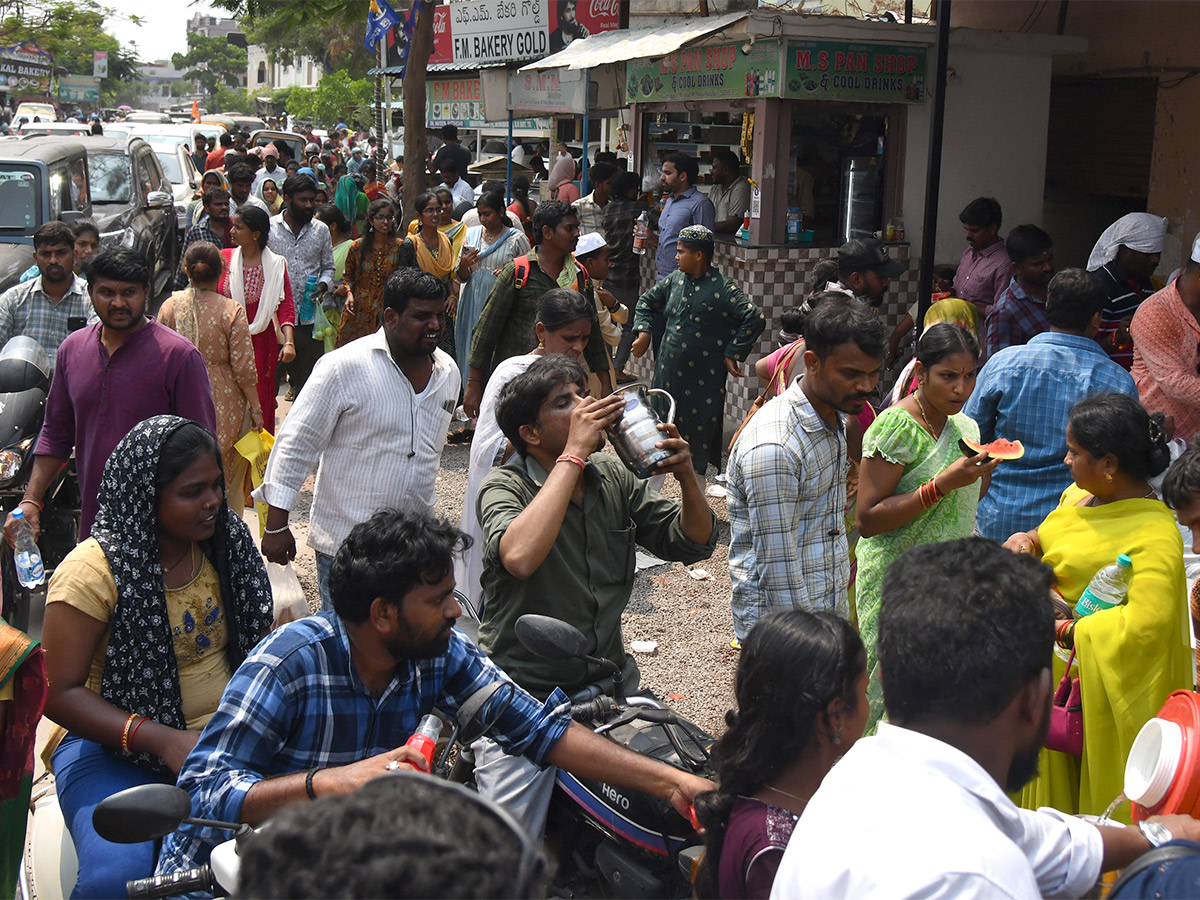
(997, 449)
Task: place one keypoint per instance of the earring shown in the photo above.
(542, 346)
(1108, 476)
(835, 740)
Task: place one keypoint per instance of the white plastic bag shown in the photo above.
(288, 594)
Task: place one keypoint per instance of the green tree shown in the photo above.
(70, 32)
(211, 62)
(233, 100)
(337, 98)
(332, 36)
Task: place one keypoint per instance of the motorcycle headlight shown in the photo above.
(128, 239)
(10, 464)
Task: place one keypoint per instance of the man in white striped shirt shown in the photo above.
(372, 421)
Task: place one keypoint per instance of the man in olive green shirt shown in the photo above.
(560, 524)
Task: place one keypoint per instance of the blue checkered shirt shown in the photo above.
(1013, 320)
(297, 702)
(1025, 394)
(26, 309)
(787, 507)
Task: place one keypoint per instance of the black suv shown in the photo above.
(42, 179)
(132, 203)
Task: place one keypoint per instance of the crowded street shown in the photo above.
(582, 448)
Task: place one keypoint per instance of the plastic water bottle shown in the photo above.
(1107, 588)
(26, 554)
(639, 233)
(425, 738)
(308, 303)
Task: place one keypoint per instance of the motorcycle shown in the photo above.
(635, 843)
(24, 384)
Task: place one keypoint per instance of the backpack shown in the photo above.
(521, 274)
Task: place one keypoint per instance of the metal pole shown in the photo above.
(933, 172)
(508, 180)
(908, 12)
(587, 110)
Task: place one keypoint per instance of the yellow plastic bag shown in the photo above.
(256, 447)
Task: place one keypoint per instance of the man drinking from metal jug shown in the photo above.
(560, 522)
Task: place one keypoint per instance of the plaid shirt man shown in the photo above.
(201, 231)
(298, 703)
(1025, 394)
(787, 508)
(590, 214)
(1015, 318)
(26, 309)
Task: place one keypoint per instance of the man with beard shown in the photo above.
(787, 474)
(1020, 312)
(306, 245)
(392, 392)
(109, 377)
(928, 794)
(241, 180)
(984, 270)
(43, 307)
(560, 522)
(325, 704)
(865, 270)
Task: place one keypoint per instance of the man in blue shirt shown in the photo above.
(325, 704)
(686, 206)
(1025, 392)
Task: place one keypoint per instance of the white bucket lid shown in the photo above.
(1153, 761)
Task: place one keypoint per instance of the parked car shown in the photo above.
(180, 169)
(133, 203)
(78, 129)
(30, 109)
(292, 142)
(148, 117)
(42, 179)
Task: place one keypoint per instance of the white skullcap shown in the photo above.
(590, 243)
(1137, 231)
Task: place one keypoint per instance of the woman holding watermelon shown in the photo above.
(1129, 657)
(915, 485)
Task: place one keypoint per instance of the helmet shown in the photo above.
(310, 149)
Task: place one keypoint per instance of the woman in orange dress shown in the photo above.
(369, 262)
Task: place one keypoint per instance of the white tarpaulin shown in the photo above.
(634, 43)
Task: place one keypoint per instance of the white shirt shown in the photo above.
(461, 191)
(278, 176)
(374, 442)
(518, 155)
(904, 815)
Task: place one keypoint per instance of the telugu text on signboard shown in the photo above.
(716, 72)
(838, 70)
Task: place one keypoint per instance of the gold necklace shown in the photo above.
(190, 554)
(925, 418)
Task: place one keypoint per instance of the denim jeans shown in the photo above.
(85, 773)
(324, 564)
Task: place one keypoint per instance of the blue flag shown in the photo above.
(380, 19)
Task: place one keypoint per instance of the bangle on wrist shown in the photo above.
(567, 457)
(133, 733)
(36, 503)
(125, 731)
(276, 530)
(289, 343)
(308, 781)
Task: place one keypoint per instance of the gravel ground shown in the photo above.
(689, 618)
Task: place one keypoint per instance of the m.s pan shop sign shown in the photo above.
(838, 70)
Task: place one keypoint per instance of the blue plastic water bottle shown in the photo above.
(308, 304)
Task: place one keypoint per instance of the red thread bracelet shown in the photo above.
(567, 457)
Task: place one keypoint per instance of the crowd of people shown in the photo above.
(896, 592)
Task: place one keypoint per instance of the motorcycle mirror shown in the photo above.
(481, 710)
(142, 813)
(551, 638)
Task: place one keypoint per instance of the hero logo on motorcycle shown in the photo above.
(614, 796)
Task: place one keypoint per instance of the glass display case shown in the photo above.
(692, 132)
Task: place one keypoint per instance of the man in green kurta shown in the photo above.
(711, 326)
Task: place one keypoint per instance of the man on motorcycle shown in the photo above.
(43, 307)
(325, 704)
(560, 527)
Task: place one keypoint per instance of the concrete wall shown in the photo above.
(994, 143)
(1141, 37)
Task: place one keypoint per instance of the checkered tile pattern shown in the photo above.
(776, 278)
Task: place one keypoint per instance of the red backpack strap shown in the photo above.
(521, 275)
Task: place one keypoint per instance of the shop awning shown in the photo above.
(633, 43)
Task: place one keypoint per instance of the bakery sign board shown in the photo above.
(459, 101)
(487, 32)
(841, 70)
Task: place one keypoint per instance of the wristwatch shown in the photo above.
(1155, 832)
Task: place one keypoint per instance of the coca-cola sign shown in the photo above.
(482, 32)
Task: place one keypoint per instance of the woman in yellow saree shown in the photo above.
(1131, 657)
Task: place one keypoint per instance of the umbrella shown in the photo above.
(125, 107)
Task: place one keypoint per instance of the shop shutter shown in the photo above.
(1101, 136)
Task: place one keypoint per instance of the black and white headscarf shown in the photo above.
(140, 671)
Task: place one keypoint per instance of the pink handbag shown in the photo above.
(1066, 715)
